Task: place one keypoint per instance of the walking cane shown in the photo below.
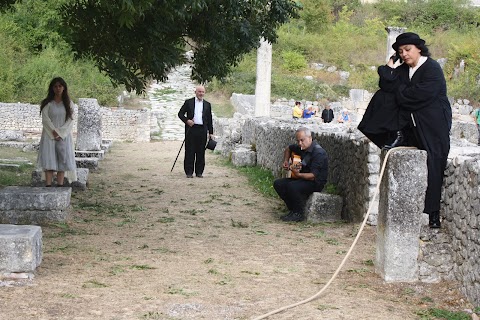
(188, 130)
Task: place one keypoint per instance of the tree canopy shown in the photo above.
(134, 41)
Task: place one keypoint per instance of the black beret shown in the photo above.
(407, 38)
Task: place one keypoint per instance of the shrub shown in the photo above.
(31, 80)
(7, 69)
(293, 61)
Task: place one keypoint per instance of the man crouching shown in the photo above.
(308, 176)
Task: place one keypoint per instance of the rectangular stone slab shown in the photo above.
(20, 248)
(402, 196)
(34, 205)
(323, 207)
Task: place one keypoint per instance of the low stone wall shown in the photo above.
(461, 209)
(350, 158)
(463, 126)
(126, 125)
(23, 121)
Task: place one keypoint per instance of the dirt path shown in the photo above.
(144, 243)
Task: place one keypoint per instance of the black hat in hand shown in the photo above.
(211, 144)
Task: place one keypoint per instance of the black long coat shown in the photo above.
(420, 107)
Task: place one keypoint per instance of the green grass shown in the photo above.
(435, 313)
(17, 177)
(94, 284)
(260, 179)
(142, 267)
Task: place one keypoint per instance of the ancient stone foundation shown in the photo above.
(20, 248)
(323, 207)
(31, 205)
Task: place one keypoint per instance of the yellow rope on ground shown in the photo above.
(349, 250)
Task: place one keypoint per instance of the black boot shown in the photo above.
(399, 141)
(434, 220)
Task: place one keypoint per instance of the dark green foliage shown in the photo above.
(33, 52)
(430, 15)
(297, 87)
(135, 42)
(316, 15)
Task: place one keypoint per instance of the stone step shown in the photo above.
(9, 167)
(323, 207)
(89, 163)
(20, 248)
(16, 160)
(34, 205)
(90, 154)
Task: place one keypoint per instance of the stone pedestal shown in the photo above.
(323, 207)
(402, 196)
(393, 33)
(264, 79)
(89, 163)
(20, 248)
(244, 156)
(90, 154)
(31, 205)
(89, 127)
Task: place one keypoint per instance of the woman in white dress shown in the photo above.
(56, 152)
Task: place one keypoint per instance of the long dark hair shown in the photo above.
(65, 97)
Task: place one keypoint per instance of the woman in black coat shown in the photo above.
(412, 106)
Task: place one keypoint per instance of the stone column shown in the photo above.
(89, 127)
(393, 33)
(402, 195)
(264, 79)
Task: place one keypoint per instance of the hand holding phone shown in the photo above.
(394, 57)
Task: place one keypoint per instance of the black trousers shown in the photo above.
(436, 164)
(195, 141)
(295, 192)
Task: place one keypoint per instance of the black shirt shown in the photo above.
(314, 160)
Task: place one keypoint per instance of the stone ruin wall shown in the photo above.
(349, 159)
(126, 125)
(354, 165)
(23, 121)
(461, 209)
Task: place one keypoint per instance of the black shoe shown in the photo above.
(293, 217)
(399, 141)
(199, 176)
(285, 216)
(189, 176)
(434, 220)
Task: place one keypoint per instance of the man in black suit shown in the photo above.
(196, 113)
